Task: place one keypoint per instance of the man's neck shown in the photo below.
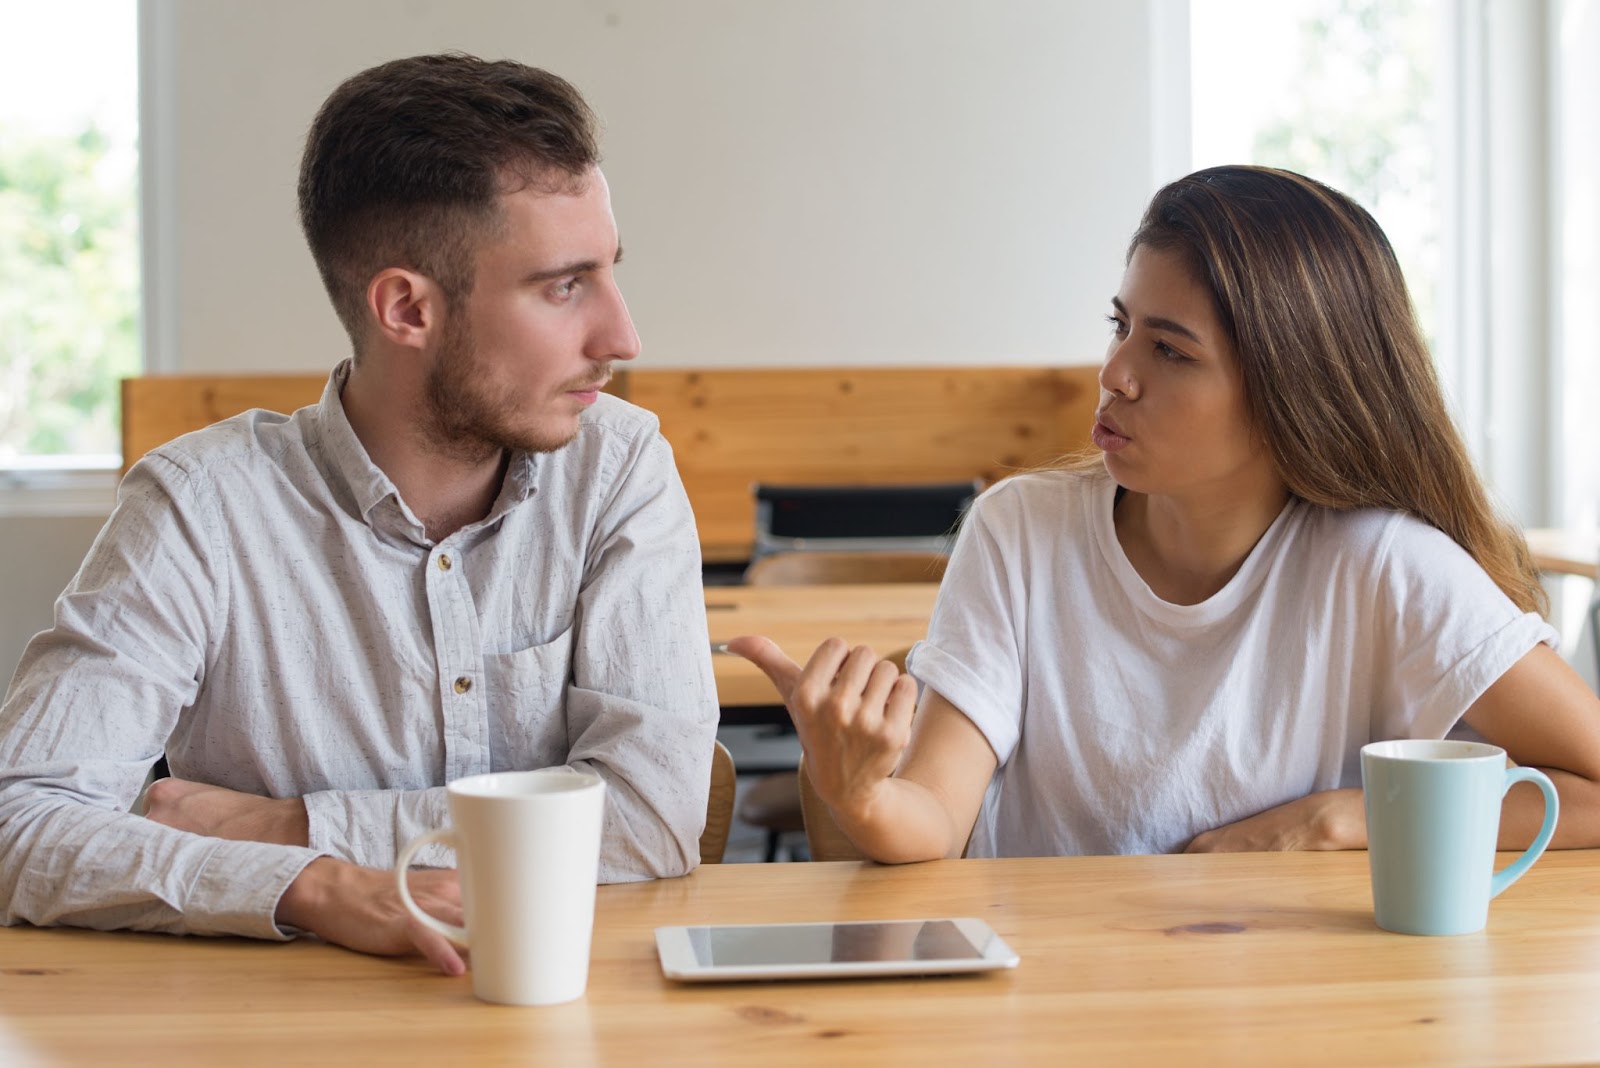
(1188, 549)
(446, 492)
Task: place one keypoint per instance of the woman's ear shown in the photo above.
(406, 307)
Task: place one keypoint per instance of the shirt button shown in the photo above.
(444, 561)
(463, 684)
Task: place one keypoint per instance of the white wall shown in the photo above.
(797, 181)
(814, 182)
(41, 554)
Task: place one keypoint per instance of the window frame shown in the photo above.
(84, 486)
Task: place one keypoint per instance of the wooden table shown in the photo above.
(799, 618)
(1566, 552)
(1232, 959)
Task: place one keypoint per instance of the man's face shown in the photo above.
(529, 348)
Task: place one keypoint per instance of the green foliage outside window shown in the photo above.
(69, 292)
(1361, 115)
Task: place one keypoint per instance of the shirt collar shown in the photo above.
(352, 470)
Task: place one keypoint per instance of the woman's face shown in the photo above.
(1171, 418)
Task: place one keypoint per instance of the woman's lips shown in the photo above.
(1107, 438)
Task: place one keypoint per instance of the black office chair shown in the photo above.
(914, 517)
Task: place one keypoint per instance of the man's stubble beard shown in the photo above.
(464, 423)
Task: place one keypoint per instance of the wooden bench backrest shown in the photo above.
(856, 426)
(158, 408)
(732, 428)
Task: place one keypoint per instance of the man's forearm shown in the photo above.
(114, 870)
(217, 812)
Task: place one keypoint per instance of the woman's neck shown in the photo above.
(1188, 549)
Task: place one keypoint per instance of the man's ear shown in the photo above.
(407, 307)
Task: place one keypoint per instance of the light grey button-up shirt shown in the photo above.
(263, 607)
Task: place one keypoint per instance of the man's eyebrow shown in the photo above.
(1157, 322)
(576, 267)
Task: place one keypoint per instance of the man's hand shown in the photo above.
(360, 909)
(1330, 819)
(221, 813)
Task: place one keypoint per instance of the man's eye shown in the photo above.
(565, 289)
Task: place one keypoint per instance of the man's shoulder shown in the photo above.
(613, 417)
(614, 438)
(247, 440)
(610, 431)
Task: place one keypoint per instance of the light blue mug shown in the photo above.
(1433, 815)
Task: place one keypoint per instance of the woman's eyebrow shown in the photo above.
(1157, 322)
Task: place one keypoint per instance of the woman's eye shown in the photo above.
(1167, 352)
(1118, 327)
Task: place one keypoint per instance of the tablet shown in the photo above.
(830, 950)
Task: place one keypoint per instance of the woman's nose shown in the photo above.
(1116, 374)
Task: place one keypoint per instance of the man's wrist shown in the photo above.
(306, 897)
(296, 822)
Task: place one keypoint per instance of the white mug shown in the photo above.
(528, 851)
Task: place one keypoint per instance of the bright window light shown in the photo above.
(69, 227)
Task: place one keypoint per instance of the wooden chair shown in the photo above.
(830, 568)
(719, 806)
(772, 803)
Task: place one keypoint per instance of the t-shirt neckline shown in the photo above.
(1103, 495)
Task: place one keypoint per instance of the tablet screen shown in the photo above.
(825, 943)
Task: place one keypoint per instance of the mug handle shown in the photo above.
(458, 935)
(1552, 808)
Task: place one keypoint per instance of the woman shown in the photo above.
(1282, 554)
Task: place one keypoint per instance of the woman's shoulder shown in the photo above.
(1055, 489)
(1379, 539)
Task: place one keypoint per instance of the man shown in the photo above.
(466, 558)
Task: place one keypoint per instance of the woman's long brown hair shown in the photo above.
(1337, 377)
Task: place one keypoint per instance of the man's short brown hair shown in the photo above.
(405, 163)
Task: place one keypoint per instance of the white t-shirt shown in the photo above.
(1126, 724)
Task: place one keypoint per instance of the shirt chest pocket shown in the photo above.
(526, 694)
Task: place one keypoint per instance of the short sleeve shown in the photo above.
(1450, 631)
(973, 655)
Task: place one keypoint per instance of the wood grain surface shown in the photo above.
(889, 617)
(1210, 959)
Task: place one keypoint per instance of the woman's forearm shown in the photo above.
(903, 823)
(1578, 826)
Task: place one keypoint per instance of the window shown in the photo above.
(1345, 91)
(69, 249)
(1465, 127)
